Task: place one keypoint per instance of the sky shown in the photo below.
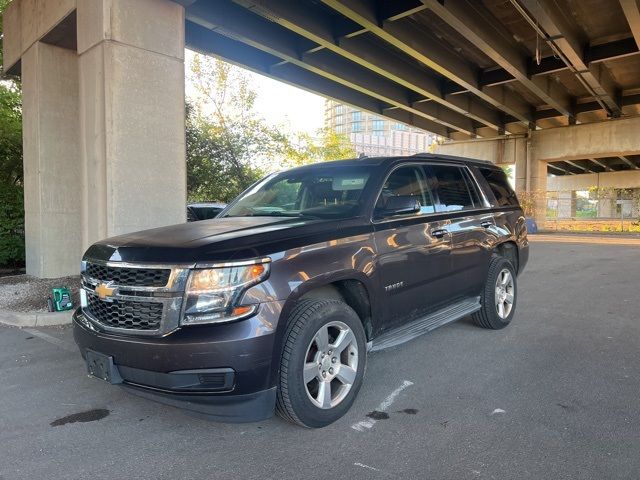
(284, 104)
(281, 104)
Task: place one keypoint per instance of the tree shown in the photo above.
(302, 148)
(11, 173)
(214, 170)
(10, 134)
(228, 145)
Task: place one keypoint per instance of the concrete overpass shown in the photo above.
(552, 86)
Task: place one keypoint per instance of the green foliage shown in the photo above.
(303, 148)
(11, 224)
(229, 146)
(218, 160)
(11, 192)
(10, 134)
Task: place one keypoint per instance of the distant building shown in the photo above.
(373, 135)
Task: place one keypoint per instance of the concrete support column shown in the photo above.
(566, 204)
(538, 186)
(51, 160)
(607, 205)
(132, 137)
(521, 172)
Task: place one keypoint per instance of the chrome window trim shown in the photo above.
(398, 217)
(472, 211)
(472, 178)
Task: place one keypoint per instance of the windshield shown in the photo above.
(318, 192)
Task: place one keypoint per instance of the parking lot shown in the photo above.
(555, 395)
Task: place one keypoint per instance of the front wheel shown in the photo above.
(323, 363)
(499, 296)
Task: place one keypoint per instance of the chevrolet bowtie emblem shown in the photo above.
(104, 291)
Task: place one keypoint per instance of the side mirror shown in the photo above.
(400, 205)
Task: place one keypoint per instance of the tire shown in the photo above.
(489, 315)
(307, 403)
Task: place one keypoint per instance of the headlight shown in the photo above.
(212, 294)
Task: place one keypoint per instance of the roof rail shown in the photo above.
(452, 157)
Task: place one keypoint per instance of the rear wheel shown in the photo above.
(323, 363)
(499, 296)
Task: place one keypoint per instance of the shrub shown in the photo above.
(11, 225)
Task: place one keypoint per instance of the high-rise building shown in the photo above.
(373, 135)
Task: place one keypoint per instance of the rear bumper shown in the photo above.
(224, 371)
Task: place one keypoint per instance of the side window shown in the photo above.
(406, 181)
(452, 189)
(499, 185)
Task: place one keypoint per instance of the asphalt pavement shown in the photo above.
(556, 395)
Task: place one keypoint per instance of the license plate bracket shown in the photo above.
(101, 366)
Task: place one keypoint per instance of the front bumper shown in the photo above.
(224, 371)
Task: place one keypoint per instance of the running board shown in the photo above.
(424, 325)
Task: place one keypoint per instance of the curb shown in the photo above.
(35, 319)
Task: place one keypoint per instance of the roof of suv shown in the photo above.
(376, 161)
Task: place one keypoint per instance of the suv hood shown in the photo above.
(218, 240)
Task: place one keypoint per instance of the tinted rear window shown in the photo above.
(451, 188)
(499, 184)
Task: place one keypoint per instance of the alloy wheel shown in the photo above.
(505, 291)
(331, 365)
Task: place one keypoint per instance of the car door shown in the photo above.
(458, 197)
(413, 249)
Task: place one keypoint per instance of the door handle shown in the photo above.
(486, 224)
(439, 233)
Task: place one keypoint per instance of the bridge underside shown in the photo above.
(459, 68)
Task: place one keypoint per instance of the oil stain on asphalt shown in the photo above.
(409, 411)
(378, 415)
(88, 416)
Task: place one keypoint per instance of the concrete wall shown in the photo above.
(624, 179)
(591, 140)
(27, 21)
(104, 133)
(504, 150)
(51, 160)
(132, 115)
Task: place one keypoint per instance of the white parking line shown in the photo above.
(52, 340)
(383, 407)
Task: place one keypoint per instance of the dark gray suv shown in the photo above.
(275, 304)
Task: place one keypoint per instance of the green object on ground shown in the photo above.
(60, 300)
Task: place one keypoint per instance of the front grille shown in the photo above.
(131, 277)
(125, 314)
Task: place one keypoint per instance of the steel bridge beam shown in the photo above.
(471, 20)
(629, 162)
(208, 42)
(631, 10)
(600, 164)
(415, 43)
(239, 23)
(567, 39)
(319, 28)
(560, 169)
